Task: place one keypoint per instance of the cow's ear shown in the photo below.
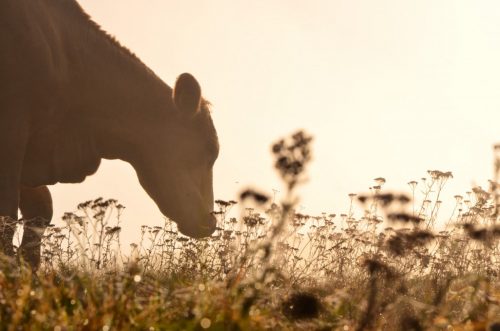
(187, 94)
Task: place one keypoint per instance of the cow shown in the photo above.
(71, 95)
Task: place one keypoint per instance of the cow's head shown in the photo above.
(176, 166)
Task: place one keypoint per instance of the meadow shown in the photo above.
(390, 263)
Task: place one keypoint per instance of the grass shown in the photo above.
(393, 268)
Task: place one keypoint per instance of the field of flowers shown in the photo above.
(397, 267)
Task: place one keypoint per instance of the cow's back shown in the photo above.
(32, 60)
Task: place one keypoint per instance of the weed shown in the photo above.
(382, 264)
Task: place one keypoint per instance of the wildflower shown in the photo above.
(436, 174)
(222, 203)
(251, 220)
(400, 242)
(84, 205)
(291, 157)
(68, 217)
(412, 184)
(99, 214)
(278, 146)
(113, 230)
(98, 200)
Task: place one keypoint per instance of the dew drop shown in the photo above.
(205, 323)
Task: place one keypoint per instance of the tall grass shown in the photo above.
(392, 268)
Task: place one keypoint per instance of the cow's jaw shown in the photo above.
(188, 205)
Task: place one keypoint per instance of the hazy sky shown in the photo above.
(388, 88)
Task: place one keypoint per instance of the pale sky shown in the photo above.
(388, 88)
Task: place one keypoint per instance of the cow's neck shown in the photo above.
(121, 98)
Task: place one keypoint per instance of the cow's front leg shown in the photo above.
(36, 208)
(13, 138)
(9, 201)
(7, 230)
